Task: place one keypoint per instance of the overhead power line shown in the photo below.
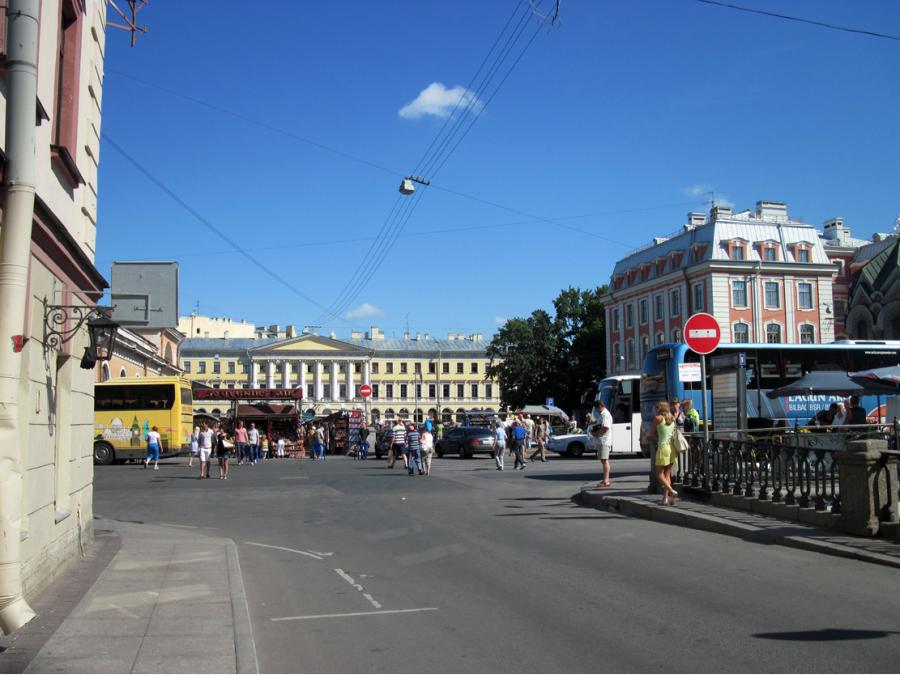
(813, 22)
(209, 225)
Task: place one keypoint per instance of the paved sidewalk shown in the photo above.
(171, 601)
(628, 496)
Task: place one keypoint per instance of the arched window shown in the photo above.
(660, 337)
(676, 335)
(773, 333)
(122, 373)
(645, 347)
(389, 414)
(807, 334)
(104, 372)
(403, 414)
(447, 415)
(741, 332)
(418, 416)
(629, 353)
(460, 415)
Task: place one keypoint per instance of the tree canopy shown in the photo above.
(559, 357)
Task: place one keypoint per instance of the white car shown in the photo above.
(572, 445)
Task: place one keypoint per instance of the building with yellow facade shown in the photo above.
(410, 378)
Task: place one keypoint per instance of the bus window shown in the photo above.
(621, 411)
(186, 396)
(128, 397)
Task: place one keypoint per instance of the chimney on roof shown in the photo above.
(290, 331)
(451, 337)
(418, 337)
(835, 230)
(356, 335)
(695, 219)
(406, 335)
(375, 333)
(333, 335)
(718, 212)
(772, 211)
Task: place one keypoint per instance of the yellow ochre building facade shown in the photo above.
(410, 378)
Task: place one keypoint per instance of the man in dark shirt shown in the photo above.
(414, 449)
(518, 434)
(855, 412)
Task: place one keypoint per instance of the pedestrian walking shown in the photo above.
(601, 431)
(263, 450)
(195, 446)
(439, 427)
(398, 444)
(207, 442)
(499, 444)
(252, 444)
(519, 435)
(241, 440)
(152, 448)
(301, 441)
(318, 442)
(666, 452)
(540, 437)
(427, 450)
(413, 449)
(363, 434)
(529, 432)
(223, 452)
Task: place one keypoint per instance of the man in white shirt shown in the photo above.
(206, 445)
(601, 430)
(253, 442)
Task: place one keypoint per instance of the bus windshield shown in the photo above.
(130, 397)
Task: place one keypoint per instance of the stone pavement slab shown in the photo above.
(628, 496)
(170, 601)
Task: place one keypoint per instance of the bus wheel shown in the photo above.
(103, 453)
(575, 449)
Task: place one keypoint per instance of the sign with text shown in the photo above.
(206, 393)
(689, 372)
(702, 333)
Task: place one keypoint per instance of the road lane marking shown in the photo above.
(321, 553)
(294, 478)
(350, 580)
(282, 548)
(340, 616)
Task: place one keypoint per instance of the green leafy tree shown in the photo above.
(560, 357)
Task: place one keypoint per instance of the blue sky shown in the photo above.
(614, 123)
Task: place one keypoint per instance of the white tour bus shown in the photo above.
(621, 394)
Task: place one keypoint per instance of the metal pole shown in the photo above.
(15, 253)
(703, 400)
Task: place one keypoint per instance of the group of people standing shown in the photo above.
(413, 446)
(516, 433)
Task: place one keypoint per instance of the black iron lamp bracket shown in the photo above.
(57, 319)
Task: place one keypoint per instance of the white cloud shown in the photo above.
(706, 190)
(364, 310)
(438, 100)
(499, 320)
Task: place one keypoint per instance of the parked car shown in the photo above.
(465, 442)
(572, 445)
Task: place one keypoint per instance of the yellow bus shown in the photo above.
(127, 408)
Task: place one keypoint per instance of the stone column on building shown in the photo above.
(285, 377)
(317, 367)
(270, 374)
(301, 366)
(335, 389)
(351, 393)
(367, 372)
(254, 375)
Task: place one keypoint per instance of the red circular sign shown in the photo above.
(702, 333)
(365, 391)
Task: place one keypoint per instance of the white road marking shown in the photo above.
(282, 548)
(294, 478)
(186, 527)
(338, 616)
(322, 553)
(350, 580)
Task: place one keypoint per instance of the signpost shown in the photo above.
(366, 391)
(702, 335)
(549, 402)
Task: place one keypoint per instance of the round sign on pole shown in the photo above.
(365, 391)
(702, 333)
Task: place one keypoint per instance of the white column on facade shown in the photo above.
(367, 372)
(335, 389)
(270, 374)
(301, 365)
(317, 370)
(350, 384)
(758, 333)
(254, 375)
(285, 377)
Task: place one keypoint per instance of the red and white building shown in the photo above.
(765, 277)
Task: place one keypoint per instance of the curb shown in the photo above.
(640, 508)
(244, 644)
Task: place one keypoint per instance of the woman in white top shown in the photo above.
(426, 441)
(152, 449)
(195, 446)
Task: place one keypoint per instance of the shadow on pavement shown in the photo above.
(594, 476)
(827, 635)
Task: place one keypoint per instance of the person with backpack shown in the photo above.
(519, 434)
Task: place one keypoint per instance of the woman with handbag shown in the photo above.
(223, 452)
(666, 450)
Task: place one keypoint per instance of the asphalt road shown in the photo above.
(352, 567)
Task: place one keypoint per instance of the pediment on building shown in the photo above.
(310, 344)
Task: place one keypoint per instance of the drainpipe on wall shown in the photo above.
(15, 253)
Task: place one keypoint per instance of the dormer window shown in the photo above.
(645, 271)
(770, 254)
(660, 266)
(737, 252)
(801, 253)
(676, 257)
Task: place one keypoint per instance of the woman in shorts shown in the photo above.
(223, 452)
(152, 448)
(195, 446)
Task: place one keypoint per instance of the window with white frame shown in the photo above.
(741, 333)
(658, 307)
(803, 255)
(773, 333)
(804, 295)
(445, 390)
(645, 346)
(738, 293)
(615, 318)
(617, 355)
(645, 314)
(660, 337)
(737, 251)
(629, 353)
(473, 390)
(187, 366)
(460, 391)
(676, 302)
(403, 391)
(676, 335)
(769, 254)
(698, 297)
(773, 297)
(807, 334)
(489, 390)
(629, 315)
(389, 391)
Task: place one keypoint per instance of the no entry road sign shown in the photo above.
(365, 391)
(702, 333)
